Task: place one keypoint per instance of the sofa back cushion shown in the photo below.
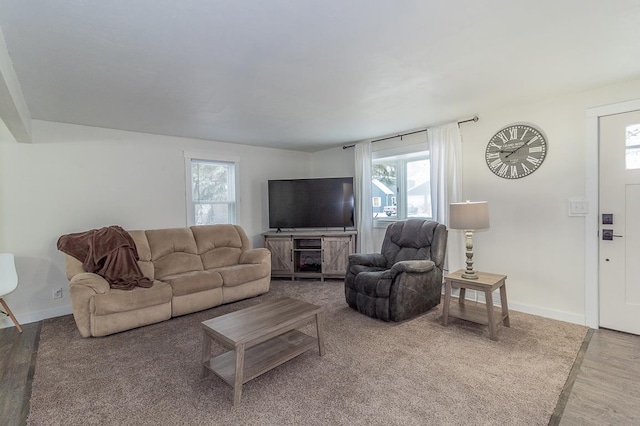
(144, 253)
(173, 251)
(220, 245)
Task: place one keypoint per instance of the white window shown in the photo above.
(633, 147)
(211, 190)
(402, 180)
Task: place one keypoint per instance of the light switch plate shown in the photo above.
(578, 206)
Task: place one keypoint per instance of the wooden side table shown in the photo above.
(485, 283)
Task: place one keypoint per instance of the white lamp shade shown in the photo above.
(469, 216)
(8, 274)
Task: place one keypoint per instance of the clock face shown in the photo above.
(516, 151)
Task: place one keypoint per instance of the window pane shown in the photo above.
(212, 192)
(633, 158)
(401, 186)
(211, 181)
(418, 189)
(383, 179)
(633, 147)
(633, 135)
(212, 214)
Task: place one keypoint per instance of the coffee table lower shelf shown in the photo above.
(263, 357)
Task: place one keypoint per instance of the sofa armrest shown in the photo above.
(255, 256)
(416, 266)
(82, 288)
(371, 259)
(90, 280)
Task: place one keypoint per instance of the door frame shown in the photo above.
(592, 189)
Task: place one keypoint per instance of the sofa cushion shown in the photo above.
(193, 282)
(144, 253)
(220, 245)
(116, 300)
(241, 274)
(173, 251)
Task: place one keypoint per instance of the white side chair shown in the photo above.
(8, 283)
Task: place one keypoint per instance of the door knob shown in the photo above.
(607, 235)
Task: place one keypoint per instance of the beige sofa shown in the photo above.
(192, 269)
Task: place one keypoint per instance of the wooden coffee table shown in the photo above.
(259, 338)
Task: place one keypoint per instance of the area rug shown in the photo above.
(374, 373)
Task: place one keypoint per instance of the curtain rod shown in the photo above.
(475, 118)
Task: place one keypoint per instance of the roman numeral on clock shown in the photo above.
(502, 136)
(533, 160)
(495, 163)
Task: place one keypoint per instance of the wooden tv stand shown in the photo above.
(310, 254)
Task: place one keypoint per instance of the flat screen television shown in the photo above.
(311, 203)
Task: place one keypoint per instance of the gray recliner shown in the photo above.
(405, 279)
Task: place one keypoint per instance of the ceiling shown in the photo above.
(307, 75)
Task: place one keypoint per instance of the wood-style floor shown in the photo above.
(603, 387)
(606, 390)
(17, 363)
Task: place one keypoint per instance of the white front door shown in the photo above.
(619, 220)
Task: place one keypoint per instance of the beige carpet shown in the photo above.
(374, 373)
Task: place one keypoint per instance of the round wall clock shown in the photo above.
(516, 151)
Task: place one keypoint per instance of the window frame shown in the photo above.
(189, 157)
(402, 156)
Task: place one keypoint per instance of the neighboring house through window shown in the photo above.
(401, 179)
(211, 190)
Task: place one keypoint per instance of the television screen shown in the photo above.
(311, 203)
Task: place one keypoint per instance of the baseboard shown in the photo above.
(5, 321)
(548, 313)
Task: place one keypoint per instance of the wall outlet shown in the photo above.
(57, 293)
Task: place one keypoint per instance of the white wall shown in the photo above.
(532, 238)
(334, 162)
(74, 178)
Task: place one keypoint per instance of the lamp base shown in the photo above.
(470, 275)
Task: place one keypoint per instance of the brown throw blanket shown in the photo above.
(109, 252)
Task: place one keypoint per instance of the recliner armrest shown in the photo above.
(255, 256)
(371, 259)
(412, 266)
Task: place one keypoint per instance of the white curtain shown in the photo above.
(364, 207)
(445, 148)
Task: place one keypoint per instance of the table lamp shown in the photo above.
(469, 216)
